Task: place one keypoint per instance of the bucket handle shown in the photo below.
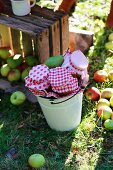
(66, 99)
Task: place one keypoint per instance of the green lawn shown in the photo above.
(89, 146)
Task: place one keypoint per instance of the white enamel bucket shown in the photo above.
(62, 114)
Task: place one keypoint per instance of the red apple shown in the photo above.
(93, 94)
(23, 66)
(100, 76)
(104, 112)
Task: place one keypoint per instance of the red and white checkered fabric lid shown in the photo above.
(38, 86)
(61, 80)
(39, 73)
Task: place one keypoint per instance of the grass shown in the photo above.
(90, 146)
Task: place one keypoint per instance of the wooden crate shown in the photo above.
(42, 33)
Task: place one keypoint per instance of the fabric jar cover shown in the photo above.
(39, 73)
(78, 63)
(62, 81)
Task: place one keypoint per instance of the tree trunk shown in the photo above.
(65, 5)
(109, 22)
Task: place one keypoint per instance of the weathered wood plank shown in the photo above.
(43, 46)
(5, 36)
(20, 25)
(16, 41)
(27, 44)
(64, 27)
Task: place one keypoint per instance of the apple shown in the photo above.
(4, 52)
(104, 112)
(36, 161)
(107, 93)
(101, 76)
(111, 101)
(109, 45)
(17, 98)
(14, 75)
(14, 61)
(110, 37)
(31, 60)
(112, 116)
(110, 75)
(102, 102)
(23, 66)
(108, 124)
(5, 70)
(93, 94)
(25, 73)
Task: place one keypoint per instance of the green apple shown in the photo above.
(110, 37)
(15, 61)
(104, 112)
(111, 101)
(110, 75)
(31, 60)
(17, 98)
(107, 93)
(5, 70)
(36, 161)
(109, 45)
(4, 53)
(25, 73)
(102, 102)
(14, 75)
(54, 61)
(108, 124)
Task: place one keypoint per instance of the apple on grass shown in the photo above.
(17, 98)
(107, 93)
(110, 75)
(108, 124)
(110, 37)
(36, 161)
(104, 112)
(93, 94)
(5, 70)
(102, 102)
(100, 76)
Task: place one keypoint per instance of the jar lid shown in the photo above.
(39, 73)
(79, 60)
(59, 76)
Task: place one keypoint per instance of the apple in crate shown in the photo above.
(108, 124)
(31, 60)
(14, 61)
(17, 98)
(5, 70)
(36, 161)
(104, 112)
(14, 75)
(4, 53)
(25, 73)
(93, 94)
(101, 76)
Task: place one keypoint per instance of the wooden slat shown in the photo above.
(27, 44)
(64, 27)
(20, 25)
(55, 40)
(43, 46)
(5, 36)
(16, 41)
